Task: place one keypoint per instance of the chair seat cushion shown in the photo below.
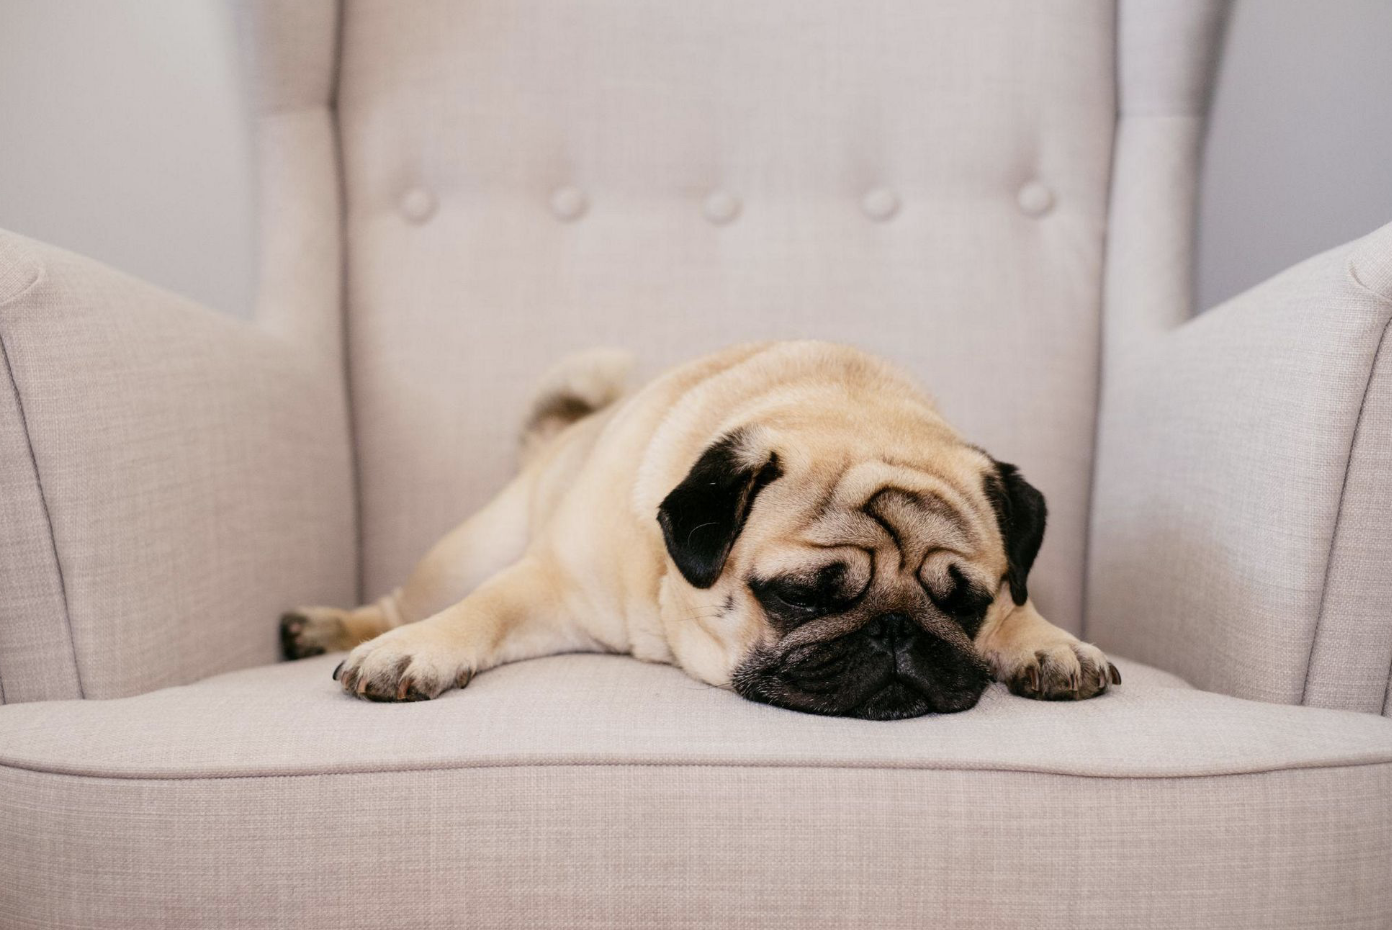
(598, 791)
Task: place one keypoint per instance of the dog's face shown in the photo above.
(828, 574)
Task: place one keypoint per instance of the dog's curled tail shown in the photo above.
(578, 385)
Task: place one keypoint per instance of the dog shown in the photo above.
(793, 521)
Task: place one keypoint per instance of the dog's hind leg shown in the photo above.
(486, 543)
(312, 631)
(469, 555)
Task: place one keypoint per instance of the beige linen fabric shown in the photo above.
(990, 122)
(1167, 52)
(1351, 660)
(700, 848)
(591, 791)
(1242, 488)
(291, 719)
(36, 655)
(290, 52)
(173, 480)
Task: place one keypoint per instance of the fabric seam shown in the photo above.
(48, 515)
(1387, 695)
(345, 343)
(598, 764)
(1100, 379)
(19, 294)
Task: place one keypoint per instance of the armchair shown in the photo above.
(997, 195)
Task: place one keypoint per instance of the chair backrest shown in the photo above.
(523, 178)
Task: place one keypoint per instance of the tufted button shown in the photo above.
(721, 207)
(880, 204)
(417, 204)
(1035, 198)
(569, 203)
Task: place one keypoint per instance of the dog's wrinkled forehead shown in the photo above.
(917, 510)
(827, 490)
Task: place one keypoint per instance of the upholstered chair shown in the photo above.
(998, 195)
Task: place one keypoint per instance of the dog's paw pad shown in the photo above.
(393, 669)
(312, 631)
(296, 639)
(1068, 672)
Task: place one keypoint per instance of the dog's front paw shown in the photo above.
(412, 663)
(1071, 671)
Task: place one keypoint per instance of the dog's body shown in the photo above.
(791, 520)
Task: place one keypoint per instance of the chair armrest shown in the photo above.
(170, 480)
(1243, 494)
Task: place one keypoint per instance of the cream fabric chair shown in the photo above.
(997, 194)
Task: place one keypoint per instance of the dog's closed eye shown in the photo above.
(958, 596)
(797, 598)
(789, 593)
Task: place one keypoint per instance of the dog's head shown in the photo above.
(826, 571)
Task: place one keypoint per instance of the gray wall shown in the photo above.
(122, 136)
(1300, 145)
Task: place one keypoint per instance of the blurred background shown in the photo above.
(123, 137)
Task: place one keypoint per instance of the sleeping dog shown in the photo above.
(793, 521)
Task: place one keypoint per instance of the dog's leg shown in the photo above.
(1038, 660)
(517, 614)
(477, 549)
(312, 631)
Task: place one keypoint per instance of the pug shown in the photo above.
(793, 521)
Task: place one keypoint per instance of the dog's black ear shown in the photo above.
(704, 514)
(1020, 513)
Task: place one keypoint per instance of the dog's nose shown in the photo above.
(890, 630)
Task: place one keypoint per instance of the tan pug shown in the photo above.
(792, 520)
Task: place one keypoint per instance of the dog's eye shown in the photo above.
(785, 595)
(803, 597)
(800, 597)
(959, 597)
